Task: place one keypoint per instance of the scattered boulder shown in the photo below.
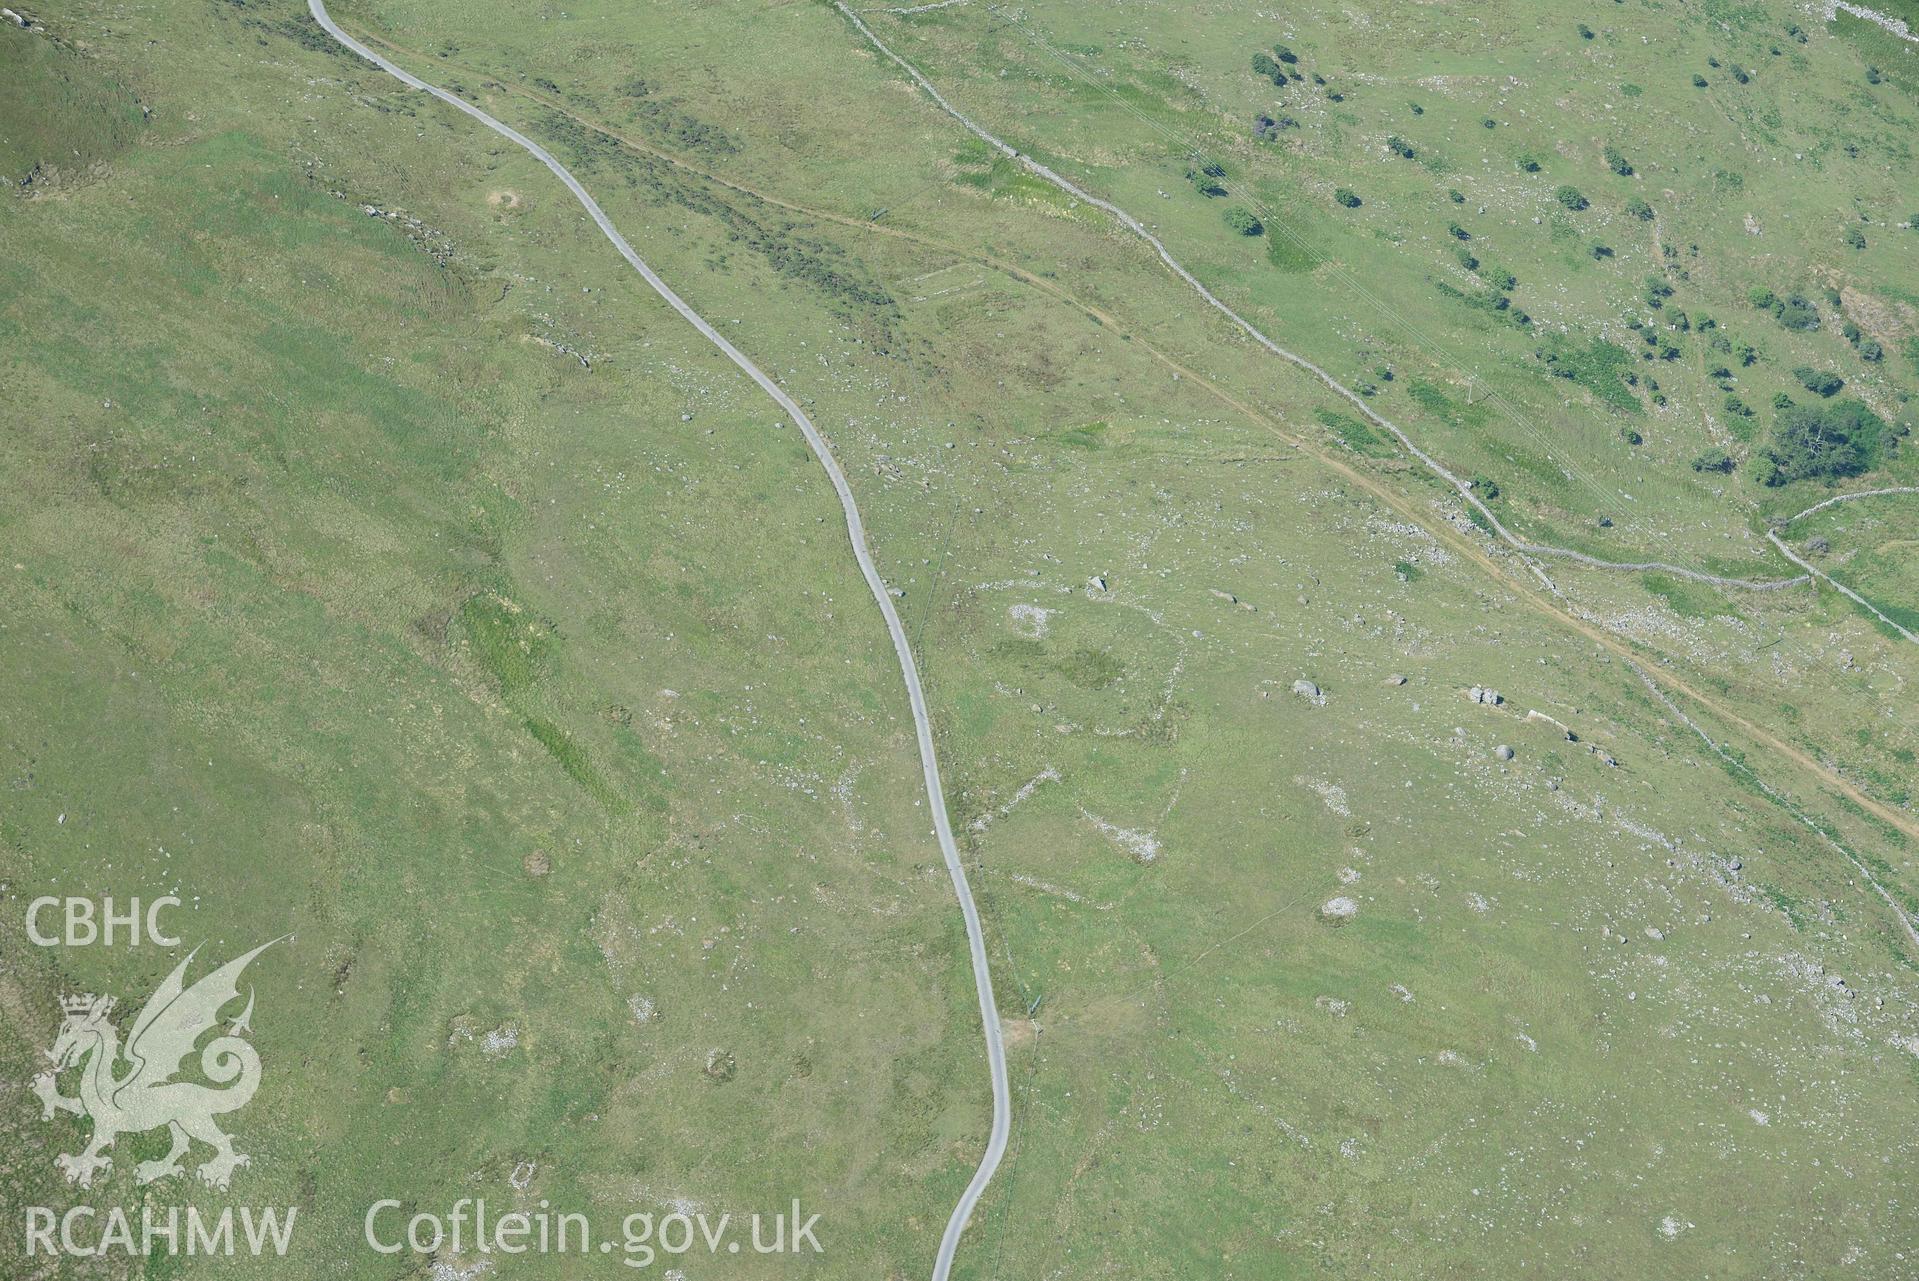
(1339, 910)
(1543, 719)
(1396, 679)
(1306, 689)
(1503, 752)
(1490, 697)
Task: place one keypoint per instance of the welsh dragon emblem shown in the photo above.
(143, 1095)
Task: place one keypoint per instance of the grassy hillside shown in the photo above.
(387, 566)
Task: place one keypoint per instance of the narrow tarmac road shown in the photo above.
(856, 531)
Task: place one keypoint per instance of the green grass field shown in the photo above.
(386, 566)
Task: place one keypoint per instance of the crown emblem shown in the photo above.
(85, 1004)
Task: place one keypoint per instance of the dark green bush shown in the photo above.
(1797, 313)
(1824, 442)
(1819, 381)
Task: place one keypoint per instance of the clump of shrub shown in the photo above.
(1527, 164)
(1639, 209)
(1824, 442)
(1714, 460)
(1241, 220)
(1347, 197)
(1819, 382)
(1795, 311)
(1618, 163)
(1798, 314)
(1571, 197)
(1400, 147)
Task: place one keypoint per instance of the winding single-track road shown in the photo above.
(856, 531)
